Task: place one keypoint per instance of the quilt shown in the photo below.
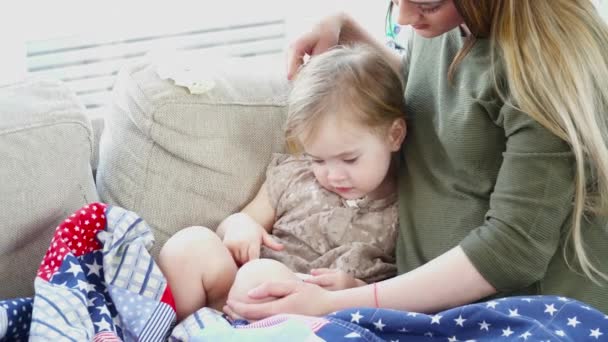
(98, 282)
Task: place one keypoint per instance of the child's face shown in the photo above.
(350, 159)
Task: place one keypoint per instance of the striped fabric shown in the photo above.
(97, 282)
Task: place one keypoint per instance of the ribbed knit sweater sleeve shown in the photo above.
(531, 201)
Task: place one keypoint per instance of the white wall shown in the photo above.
(603, 6)
(12, 65)
(303, 14)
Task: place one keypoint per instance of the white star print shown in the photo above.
(83, 285)
(573, 322)
(452, 339)
(596, 333)
(525, 335)
(560, 333)
(491, 304)
(355, 317)
(484, 326)
(513, 313)
(435, 319)
(428, 333)
(460, 321)
(353, 335)
(94, 268)
(507, 332)
(103, 325)
(103, 310)
(562, 299)
(74, 269)
(379, 325)
(550, 309)
(412, 314)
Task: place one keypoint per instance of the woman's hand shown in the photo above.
(244, 237)
(323, 36)
(333, 279)
(293, 296)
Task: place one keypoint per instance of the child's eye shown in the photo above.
(350, 161)
(317, 161)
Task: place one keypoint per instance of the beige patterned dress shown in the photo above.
(320, 229)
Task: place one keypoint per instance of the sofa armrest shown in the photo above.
(46, 150)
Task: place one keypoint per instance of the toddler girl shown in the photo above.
(327, 213)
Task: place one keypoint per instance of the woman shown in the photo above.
(504, 187)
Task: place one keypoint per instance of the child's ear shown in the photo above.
(397, 133)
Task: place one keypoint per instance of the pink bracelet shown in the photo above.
(376, 295)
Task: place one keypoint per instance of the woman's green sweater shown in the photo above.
(484, 175)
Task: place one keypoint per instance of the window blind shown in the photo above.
(89, 65)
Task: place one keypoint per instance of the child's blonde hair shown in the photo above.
(346, 79)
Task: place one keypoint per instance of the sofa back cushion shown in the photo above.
(180, 159)
(46, 148)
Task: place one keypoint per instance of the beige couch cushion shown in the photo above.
(180, 159)
(46, 147)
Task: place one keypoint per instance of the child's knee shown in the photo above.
(256, 272)
(265, 269)
(189, 243)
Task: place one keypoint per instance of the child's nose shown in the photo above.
(335, 174)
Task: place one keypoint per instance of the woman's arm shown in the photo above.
(337, 29)
(447, 281)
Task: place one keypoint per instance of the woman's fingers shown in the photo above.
(273, 291)
(283, 297)
(276, 289)
(296, 52)
(323, 280)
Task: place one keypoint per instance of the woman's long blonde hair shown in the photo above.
(555, 58)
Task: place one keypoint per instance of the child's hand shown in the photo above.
(244, 237)
(333, 279)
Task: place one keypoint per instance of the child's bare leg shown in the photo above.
(199, 269)
(254, 273)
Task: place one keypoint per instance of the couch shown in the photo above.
(173, 151)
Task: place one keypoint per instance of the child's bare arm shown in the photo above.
(245, 232)
(259, 209)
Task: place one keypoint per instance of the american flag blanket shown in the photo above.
(97, 282)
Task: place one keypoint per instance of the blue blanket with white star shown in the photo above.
(534, 318)
(97, 282)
